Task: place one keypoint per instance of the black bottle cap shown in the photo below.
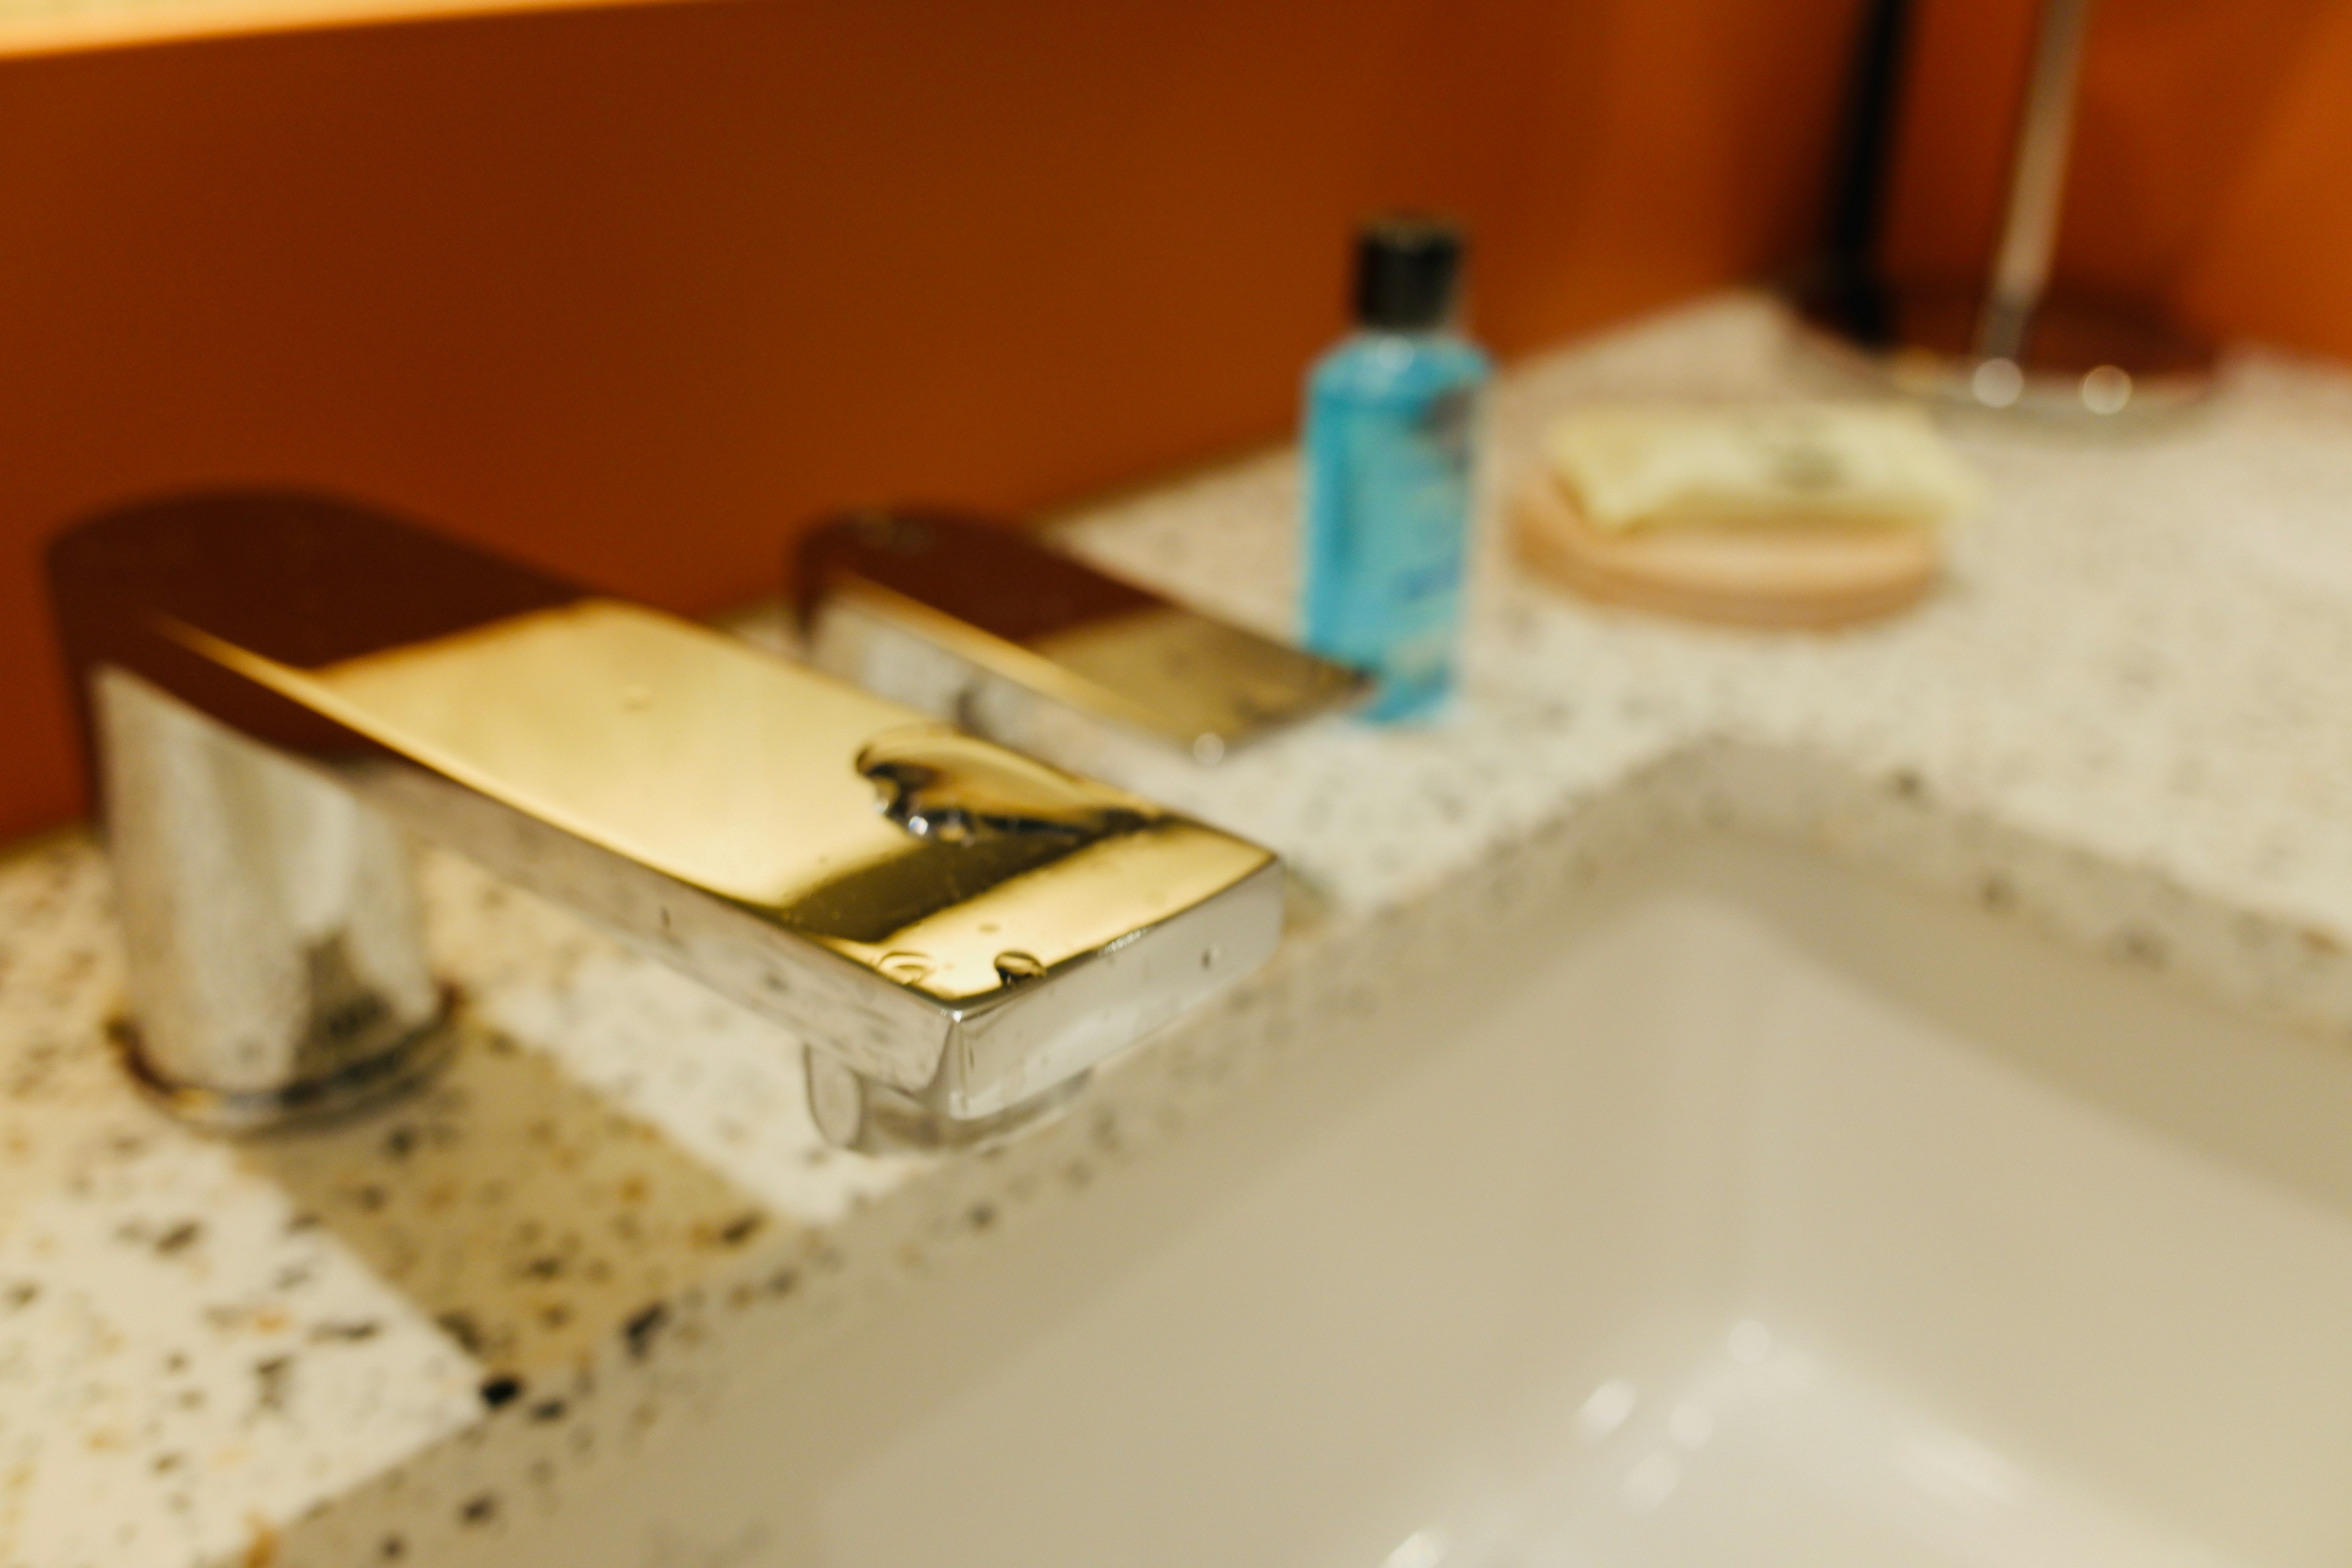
(1407, 267)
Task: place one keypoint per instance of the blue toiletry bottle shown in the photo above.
(1391, 422)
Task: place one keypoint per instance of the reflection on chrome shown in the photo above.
(1997, 383)
(2106, 388)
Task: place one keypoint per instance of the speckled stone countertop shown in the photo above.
(2128, 719)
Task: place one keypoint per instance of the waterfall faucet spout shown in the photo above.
(279, 691)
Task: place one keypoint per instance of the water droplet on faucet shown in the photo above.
(907, 968)
(951, 788)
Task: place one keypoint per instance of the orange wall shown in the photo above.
(631, 291)
(2212, 143)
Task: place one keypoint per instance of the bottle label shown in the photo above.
(1389, 525)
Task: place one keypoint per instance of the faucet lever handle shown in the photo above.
(976, 621)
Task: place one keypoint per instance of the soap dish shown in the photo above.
(1795, 578)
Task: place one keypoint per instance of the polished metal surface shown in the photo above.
(973, 621)
(278, 688)
(2037, 183)
(277, 965)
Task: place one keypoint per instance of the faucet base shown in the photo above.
(401, 1064)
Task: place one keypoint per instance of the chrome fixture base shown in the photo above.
(2084, 362)
(392, 1069)
(278, 969)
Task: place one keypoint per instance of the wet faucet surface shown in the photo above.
(277, 688)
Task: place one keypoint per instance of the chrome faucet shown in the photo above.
(278, 689)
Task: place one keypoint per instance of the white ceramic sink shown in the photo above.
(1748, 1213)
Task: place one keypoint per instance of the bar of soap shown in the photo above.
(1768, 466)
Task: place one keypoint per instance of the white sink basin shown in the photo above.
(1748, 1212)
